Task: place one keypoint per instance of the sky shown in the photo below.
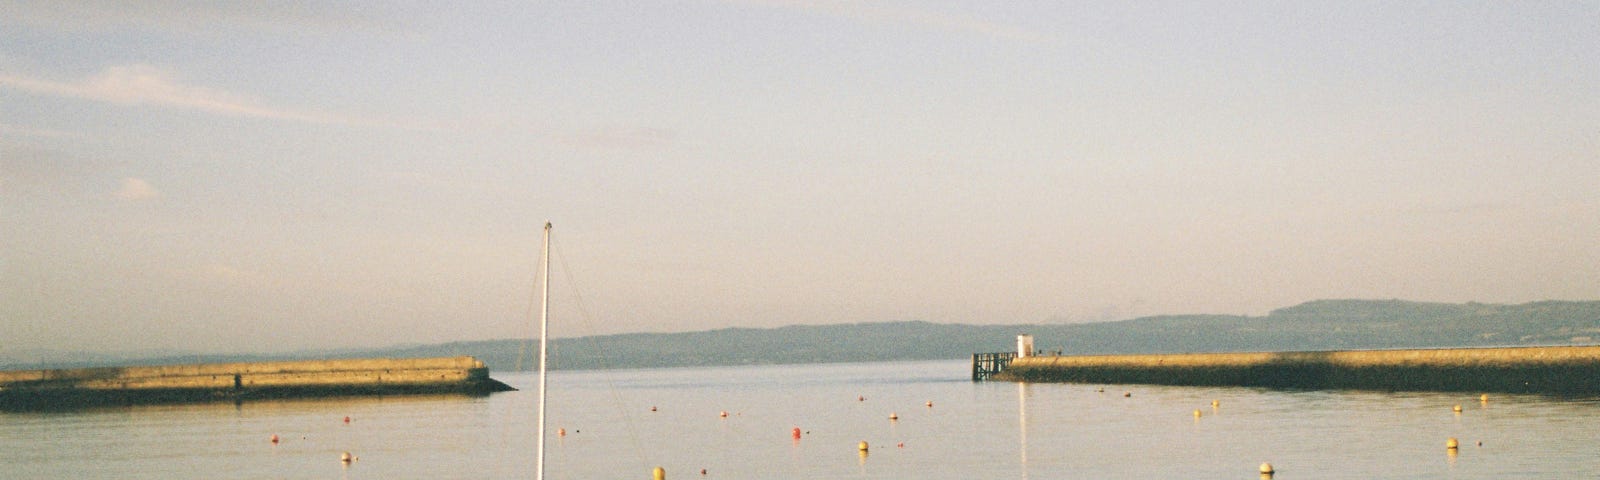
(271, 176)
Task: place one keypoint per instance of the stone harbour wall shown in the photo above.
(239, 381)
(1557, 370)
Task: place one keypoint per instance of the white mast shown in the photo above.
(544, 346)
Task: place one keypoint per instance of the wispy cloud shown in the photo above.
(876, 13)
(136, 189)
(146, 85)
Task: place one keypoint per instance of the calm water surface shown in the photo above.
(973, 430)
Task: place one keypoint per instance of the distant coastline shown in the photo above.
(1311, 326)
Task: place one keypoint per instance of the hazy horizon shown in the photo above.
(210, 177)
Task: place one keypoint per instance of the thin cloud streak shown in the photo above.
(145, 85)
(135, 85)
(136, 189)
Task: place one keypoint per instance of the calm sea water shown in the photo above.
(973, 430)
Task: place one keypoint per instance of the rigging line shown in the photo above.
(533, 302)
(605, 363)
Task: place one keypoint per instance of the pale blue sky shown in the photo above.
(255, 176)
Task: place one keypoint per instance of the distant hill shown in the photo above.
(1316, 325)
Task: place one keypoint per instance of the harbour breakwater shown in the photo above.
(1551, 370)
(107, 386)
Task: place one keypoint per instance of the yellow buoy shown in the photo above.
(1266, 468)
(659, 473)
(1196, 414)
(346, 457)
(893, 416)
(1483, 398)
(1215, 403)
(862, 446)
(1456, 409)
(1452, 444)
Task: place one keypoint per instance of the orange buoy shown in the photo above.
(702, 471)
(274, 439)
(929, 404)
(346, 457)
(346, 419)
(893, 416)
(561, 432)
(900, 445)
(861, 398)
(652, 408)
(724, 414)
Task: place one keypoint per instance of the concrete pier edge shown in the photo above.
(238, 382)
(1567, 370)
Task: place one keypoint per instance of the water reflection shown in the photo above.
(1022, 426)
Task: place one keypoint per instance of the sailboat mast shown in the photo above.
(544, 345)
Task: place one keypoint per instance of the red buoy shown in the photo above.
(346, 419)
(274, 439)
(796, 433)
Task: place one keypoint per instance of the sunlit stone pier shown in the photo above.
(1554, 370)
(83, 387)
